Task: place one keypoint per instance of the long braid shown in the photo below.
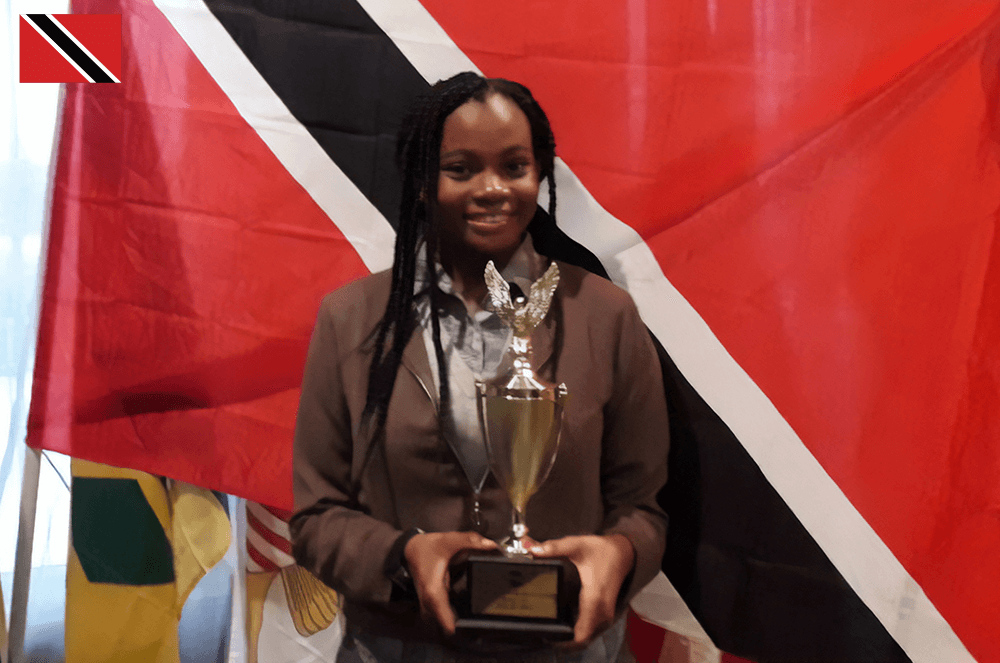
(444, 384)
(551, 179)
(418, 154)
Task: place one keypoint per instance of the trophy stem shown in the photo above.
(515, 544)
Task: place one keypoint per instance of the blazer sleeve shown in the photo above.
(636, 441)
(342, 546)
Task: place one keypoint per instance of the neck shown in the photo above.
(466, 268)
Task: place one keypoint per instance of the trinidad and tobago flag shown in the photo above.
(802, 198)
(70, 48)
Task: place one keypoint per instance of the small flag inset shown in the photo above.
(71, 48)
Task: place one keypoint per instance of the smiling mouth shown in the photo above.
(488, 219)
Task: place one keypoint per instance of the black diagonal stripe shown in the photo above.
(756, 580)
(69, 49)
(754, 577)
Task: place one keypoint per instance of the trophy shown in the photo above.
(508, 592)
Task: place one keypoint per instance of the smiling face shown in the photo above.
(488, 181)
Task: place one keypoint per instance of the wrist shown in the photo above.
(397, 567)
(408, 546)
(626, 551)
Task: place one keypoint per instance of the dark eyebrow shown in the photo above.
(513, 149)
(517, 148)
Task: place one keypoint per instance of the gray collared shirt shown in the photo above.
(474, 347)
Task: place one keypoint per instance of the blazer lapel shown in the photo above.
(543, 338)
(416, 361)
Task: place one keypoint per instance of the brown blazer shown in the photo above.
(612, 458)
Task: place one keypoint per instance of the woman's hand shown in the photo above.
(427, 557)
(603, 563)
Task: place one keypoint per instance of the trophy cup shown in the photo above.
(508, 592)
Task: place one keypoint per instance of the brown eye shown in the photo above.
(518, 168)
(456, 170)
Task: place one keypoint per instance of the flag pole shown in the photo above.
(238, 621)
(22, 559)
(32, 457)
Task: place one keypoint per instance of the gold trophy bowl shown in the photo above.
(522, 423)
(509, 594)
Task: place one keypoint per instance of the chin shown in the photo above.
(493, 246)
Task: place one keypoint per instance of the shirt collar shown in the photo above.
(523, 268)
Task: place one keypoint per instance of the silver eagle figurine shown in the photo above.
(521, 316)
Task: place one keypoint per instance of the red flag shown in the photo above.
(820, 181)
(184, 268)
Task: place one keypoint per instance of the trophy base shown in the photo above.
(513, 598)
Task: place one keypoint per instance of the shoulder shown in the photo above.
(359, 293)
(355, 309)
(595, 304)
(577, 286)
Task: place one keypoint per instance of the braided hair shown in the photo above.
(418, 150)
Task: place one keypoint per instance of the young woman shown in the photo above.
(391, 479)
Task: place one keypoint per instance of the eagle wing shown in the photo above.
(499, 291)
(540, 298)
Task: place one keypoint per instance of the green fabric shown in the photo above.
(116, 535)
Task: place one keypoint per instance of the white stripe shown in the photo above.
(279, 557)
(419, 37)
(851, 544)
(84, 49)
(269, 520)
(660, 603)
(857, 551)
(56, 46)
(363, 226)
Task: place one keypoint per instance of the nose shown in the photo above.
(492, 187)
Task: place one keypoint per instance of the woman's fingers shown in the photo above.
(555, 548)
(434, 601)
(603, 563)
(428, 556)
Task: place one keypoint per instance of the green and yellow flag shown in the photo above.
(139, 546)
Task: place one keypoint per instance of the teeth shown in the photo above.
(493, 218)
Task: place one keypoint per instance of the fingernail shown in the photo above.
(536, 549)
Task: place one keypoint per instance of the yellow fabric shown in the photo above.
(257, 585)
(313, 605)
(200, 535)
(291, 618)
(120, 623)
(138, 624)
